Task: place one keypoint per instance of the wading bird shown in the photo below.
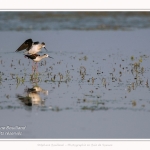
(36, 57)
(31, 47)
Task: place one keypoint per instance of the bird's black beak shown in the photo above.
(45, 48)
(50, 57)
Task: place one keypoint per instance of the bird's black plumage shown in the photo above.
(33, 56)
(36, 43)
(26, 45)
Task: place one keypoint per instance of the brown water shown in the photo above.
(104, 92)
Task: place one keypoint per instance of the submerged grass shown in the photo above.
(87, 77)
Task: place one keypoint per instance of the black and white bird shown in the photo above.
(31, 47)
(37, 57)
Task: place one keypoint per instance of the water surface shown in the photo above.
(97, 85)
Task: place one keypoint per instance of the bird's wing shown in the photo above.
(22, 47)
(26, 45)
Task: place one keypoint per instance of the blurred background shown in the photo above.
(79, 20)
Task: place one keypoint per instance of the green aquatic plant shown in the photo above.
(140, 60)
(20, 80)
(68, 78)
(0, 78)
(136, 65)
(35, 77)
(83, 58)
(134, 103)
(132, 58)
(53, 79)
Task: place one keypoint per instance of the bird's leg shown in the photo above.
(36, 72)
(34, 67)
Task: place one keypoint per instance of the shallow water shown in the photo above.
(104, 92)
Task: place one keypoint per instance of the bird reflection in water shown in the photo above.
(32, 96)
